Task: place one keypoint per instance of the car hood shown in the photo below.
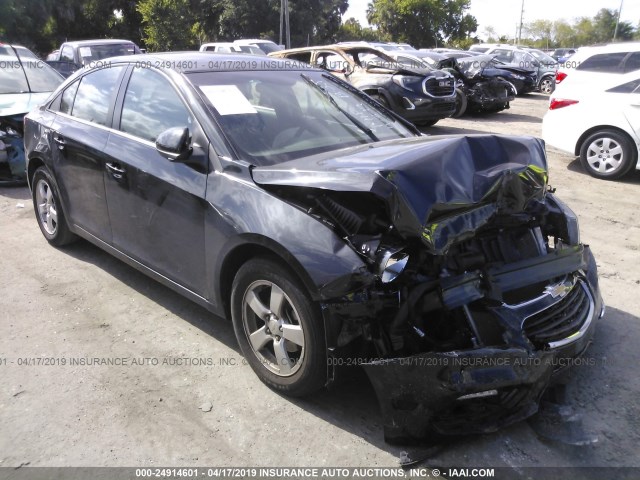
(20, 103)
(440, 190)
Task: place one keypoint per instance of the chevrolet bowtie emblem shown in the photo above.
(557, 290)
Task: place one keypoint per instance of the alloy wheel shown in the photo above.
(273, 328)
(47, 210)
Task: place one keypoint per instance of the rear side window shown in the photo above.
(95, 94)
(66, 102)
(632, 63)
(151, 106)
(629, 87)
(604, 62)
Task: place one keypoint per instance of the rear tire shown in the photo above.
(48, 209)
(547, 85)
(279, 328)
(608, 154)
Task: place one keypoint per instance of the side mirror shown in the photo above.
(174, 144)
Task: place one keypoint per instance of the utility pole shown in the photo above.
(284, 23)
(615, 33)
(520, 29)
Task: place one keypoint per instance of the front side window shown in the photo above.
(95, 95)
(632, 63)
(151, 106)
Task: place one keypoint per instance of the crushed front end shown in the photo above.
(12, 159)
(482, 291)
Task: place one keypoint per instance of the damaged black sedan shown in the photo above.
(327, 228)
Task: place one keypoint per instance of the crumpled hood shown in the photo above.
(440, 189)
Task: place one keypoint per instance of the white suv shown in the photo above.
(590, 64)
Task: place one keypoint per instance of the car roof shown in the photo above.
(192, 61)
(99, 41)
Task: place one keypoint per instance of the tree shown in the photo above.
(422, 22)
(168, 24)
(351, 30)
(540, 32)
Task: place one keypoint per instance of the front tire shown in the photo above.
(279, 328)
(48, 209)
(461, 104)
(607, 154)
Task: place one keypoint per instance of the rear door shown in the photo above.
(156, 206)
(79, 136)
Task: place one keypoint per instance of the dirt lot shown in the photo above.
(80, 303)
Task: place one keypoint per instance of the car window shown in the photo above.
(68, 96)
(603, 62)
(95, 94)
(151, 106)
(629, 87)
(632, 63)
(27, 75)
(92, 53)
(301, 57)
(521, 59)
(66, 55)
(503, 55)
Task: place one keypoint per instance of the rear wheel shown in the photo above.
(278, 327)
(48, 209)
(547, 85)
(607, 154)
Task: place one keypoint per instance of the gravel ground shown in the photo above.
(80, 303)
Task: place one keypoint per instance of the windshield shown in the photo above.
(471, 67)
(271, 117)
(91, 53)
(22, 51)
(268, 47)
(542, 57)
(28, 76)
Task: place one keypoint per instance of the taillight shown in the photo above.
(556, 103)
(560, 76)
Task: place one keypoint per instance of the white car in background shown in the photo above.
(597, 64)
(600, 122)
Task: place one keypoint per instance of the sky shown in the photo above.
(504, 15)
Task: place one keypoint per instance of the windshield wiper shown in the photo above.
(333, 102)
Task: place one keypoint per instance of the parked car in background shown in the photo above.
(327, 229)
(418, 93)
(598, 121)
(230, 47)
(25, 82)
(16, 50)
(527, 58)
(523, 80)
(267, 46)
(598, 64)
(562, 54)
(73, 56)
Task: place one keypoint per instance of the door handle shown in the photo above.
(116, 171)
(59, 140)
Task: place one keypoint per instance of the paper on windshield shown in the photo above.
(227, 99)
(85, 51)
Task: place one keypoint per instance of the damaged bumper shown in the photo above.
(431, 396)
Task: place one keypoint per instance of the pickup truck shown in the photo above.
(72, 56)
